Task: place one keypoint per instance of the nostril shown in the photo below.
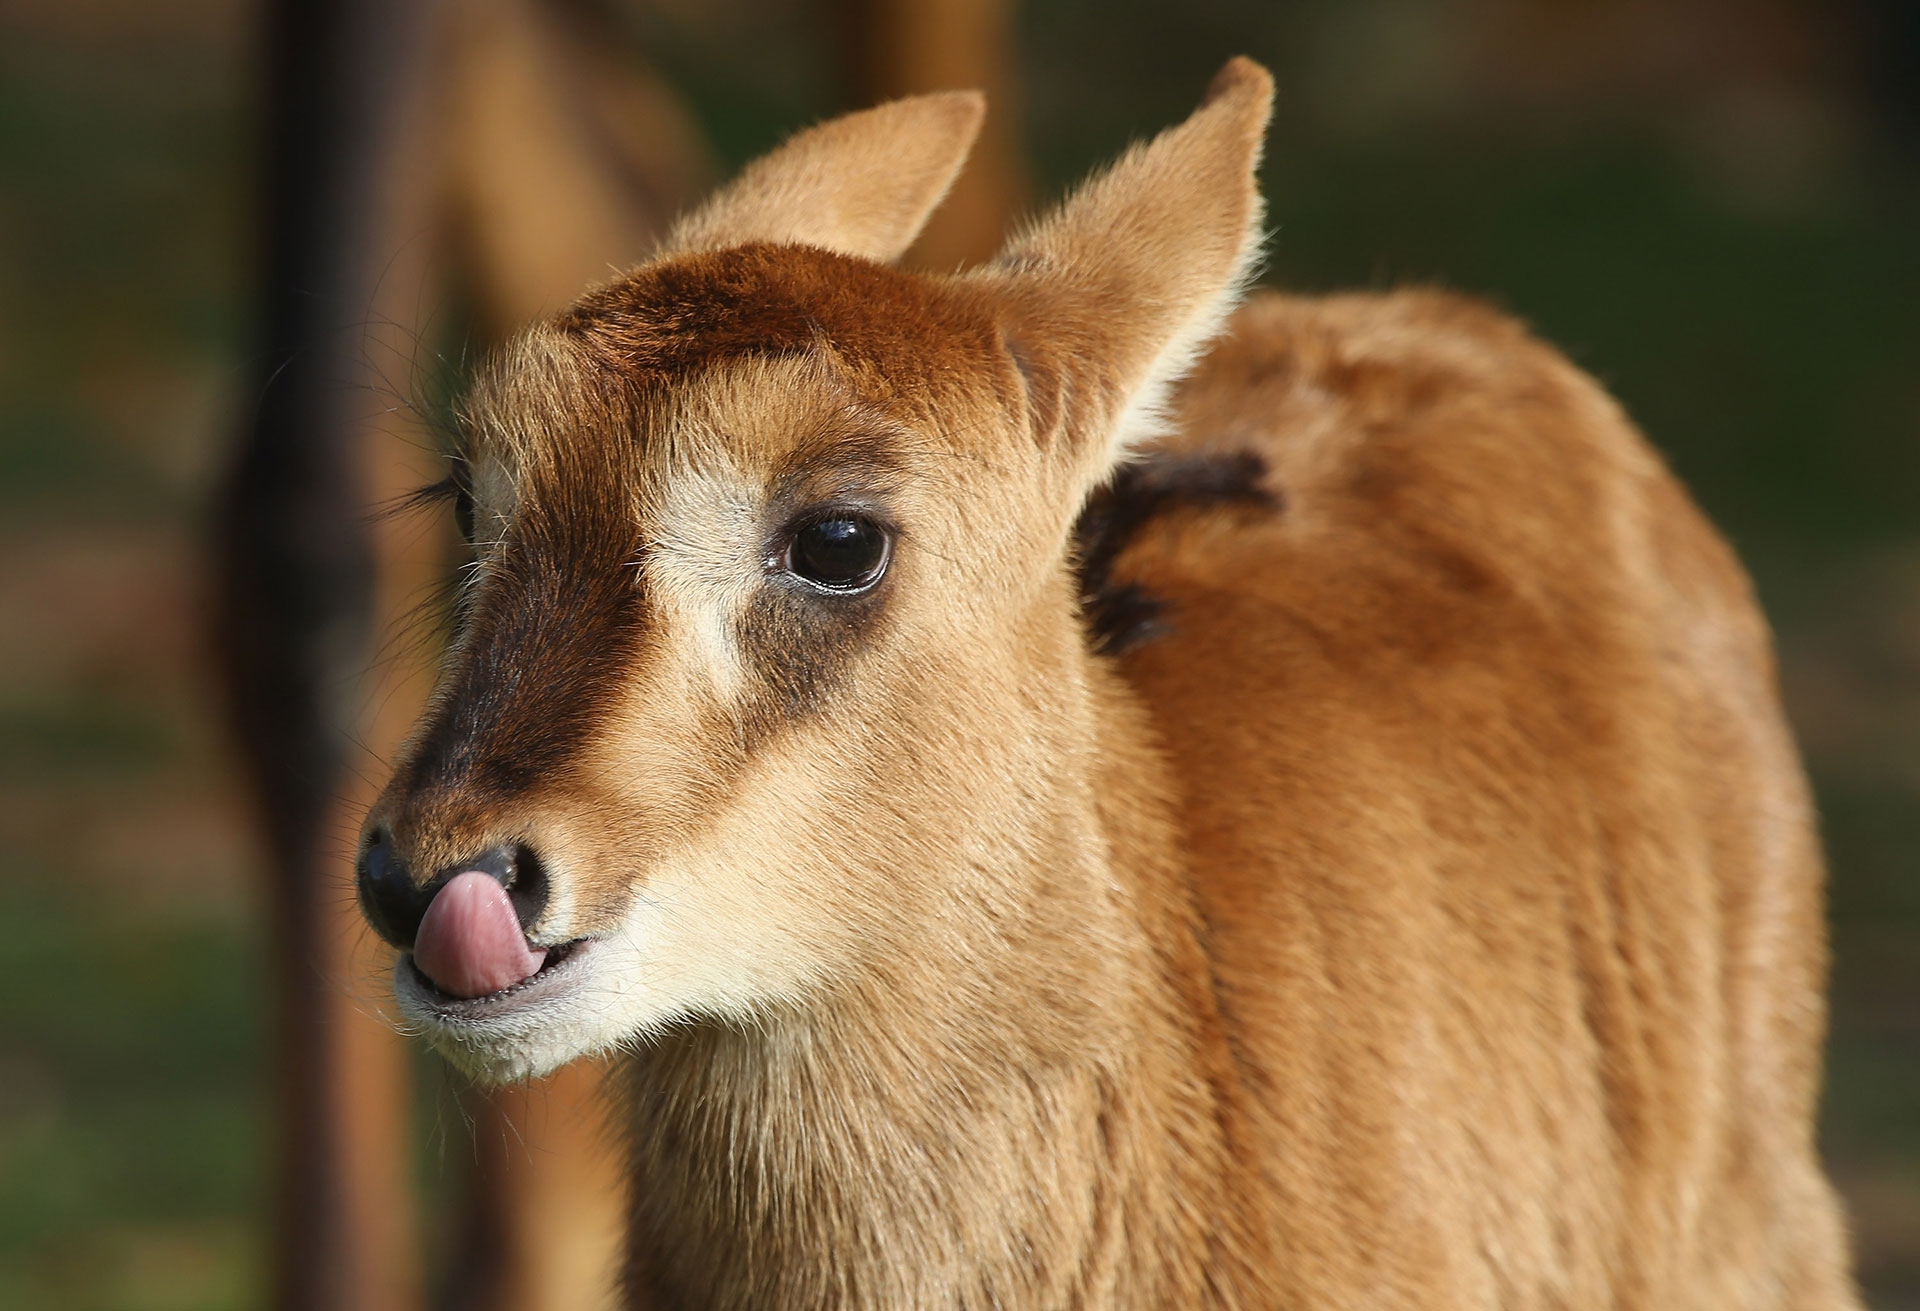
(520, 871)
(528, 888)
(393, 905)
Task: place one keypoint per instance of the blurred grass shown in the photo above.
(131, 1124)
(1768, 341)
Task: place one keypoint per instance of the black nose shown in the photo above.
(392, 901)
(395, 904)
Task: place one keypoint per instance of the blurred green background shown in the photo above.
(1712, 205)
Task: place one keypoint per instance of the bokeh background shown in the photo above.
(1713, 205)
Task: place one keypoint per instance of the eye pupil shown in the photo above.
(844, 553)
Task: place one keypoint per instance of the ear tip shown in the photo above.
(961, 111)
(1239, 78)
(943, 117)
(970, 100)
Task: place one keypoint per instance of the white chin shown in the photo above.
(595, 994)
(569, 1009)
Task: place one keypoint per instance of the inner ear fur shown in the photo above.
(1110, 299)
(863, 184)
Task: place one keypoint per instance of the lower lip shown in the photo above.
(557, 974)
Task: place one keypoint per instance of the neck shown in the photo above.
(1034, 1122)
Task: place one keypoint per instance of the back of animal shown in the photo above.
(1506, 857)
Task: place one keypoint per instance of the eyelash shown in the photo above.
(457, 488)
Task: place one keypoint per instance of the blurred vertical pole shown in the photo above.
(897, 48)
(296, 593)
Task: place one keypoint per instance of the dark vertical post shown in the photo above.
(893, 48)
(296, 575)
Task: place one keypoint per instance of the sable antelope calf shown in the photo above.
(1071, 796)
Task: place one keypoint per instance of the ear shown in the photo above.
(1111, 299)
(861, 185)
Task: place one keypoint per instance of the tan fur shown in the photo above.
(1428, 918)
(861, 185)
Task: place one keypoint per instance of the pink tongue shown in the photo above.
(470, 943)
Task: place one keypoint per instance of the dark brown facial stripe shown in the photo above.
(552, 635)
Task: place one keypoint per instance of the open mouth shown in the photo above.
(558, 974)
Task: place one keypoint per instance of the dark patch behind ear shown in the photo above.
(1121, 616)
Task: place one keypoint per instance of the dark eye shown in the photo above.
(843, 554)
(460, 478)
(463, 513)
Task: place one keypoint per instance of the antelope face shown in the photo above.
(768, 663)
(723, 603)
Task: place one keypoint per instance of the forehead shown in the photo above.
(766, 352)
(672, 319)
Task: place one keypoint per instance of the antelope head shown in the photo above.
(768, 682)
